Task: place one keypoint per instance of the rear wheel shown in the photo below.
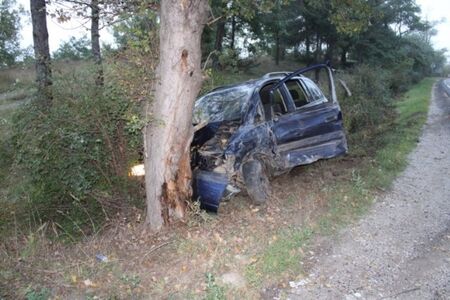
(256, 181)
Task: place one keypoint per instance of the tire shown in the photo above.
(256, 181)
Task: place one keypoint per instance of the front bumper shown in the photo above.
(209, 188)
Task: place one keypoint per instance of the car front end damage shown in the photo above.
(214, 173)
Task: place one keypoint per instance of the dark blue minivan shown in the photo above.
(249, 132)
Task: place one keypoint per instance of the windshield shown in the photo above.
(223, 105)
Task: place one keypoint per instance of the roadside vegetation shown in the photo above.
(71, 218)
(267, 246)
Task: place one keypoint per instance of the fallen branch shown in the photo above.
(402, 292)
(155, 248)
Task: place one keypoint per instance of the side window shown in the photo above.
(278, 107)
(315, 94)
(297, 93)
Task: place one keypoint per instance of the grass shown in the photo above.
(5, 148)
(280, 257)
(16, 78)
(412, 111)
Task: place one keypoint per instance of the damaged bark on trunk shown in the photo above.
(167, 139)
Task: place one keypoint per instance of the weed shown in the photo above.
(281, 255)
(213, 291)
(196, 215)
(37, 294)
(132, 281)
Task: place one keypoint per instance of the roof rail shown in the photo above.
(275, 74)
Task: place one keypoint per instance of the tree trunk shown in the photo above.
(330, 51)
(318, 48)
(277, 48)
(41, 52)
(308, 48)
(168, 138)
(233, 31)
(220, 33)
(344, 51)
(95, 42)
(282, 52)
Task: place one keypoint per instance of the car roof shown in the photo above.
(255, 83)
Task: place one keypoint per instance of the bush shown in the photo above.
(369, 104)
(76, 156)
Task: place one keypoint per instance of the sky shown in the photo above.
(432, 10)
(57, 32)
(438, 10)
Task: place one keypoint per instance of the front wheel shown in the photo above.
(256, 181)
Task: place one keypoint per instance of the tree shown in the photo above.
(74, 49)
(82, 9)
(41, 51)
(9, 32)
(95, 41)
(168, 138)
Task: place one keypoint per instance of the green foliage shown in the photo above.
(132, 281)
(6, 149)
(370, 101)
(137, 30)
(350, 17)
(39, 294)
(76, 156)
(74, 49)
(229, 58)
(411, 109)
(213, 291)
(9, 32)
(282, 254)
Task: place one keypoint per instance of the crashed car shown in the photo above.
(248, 132)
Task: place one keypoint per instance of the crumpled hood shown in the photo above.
(214, 137)
(210, 142)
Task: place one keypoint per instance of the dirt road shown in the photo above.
(401, 249)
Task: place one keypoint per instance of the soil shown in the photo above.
(401, 248)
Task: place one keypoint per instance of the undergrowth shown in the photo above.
(74, 158)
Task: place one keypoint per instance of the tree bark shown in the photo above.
(318, 48)
(344, 51)
(308, 48)
(168, 138)
(95, 41)
(41, 52)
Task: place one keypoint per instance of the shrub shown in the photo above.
(76, 156)
(369, 104)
